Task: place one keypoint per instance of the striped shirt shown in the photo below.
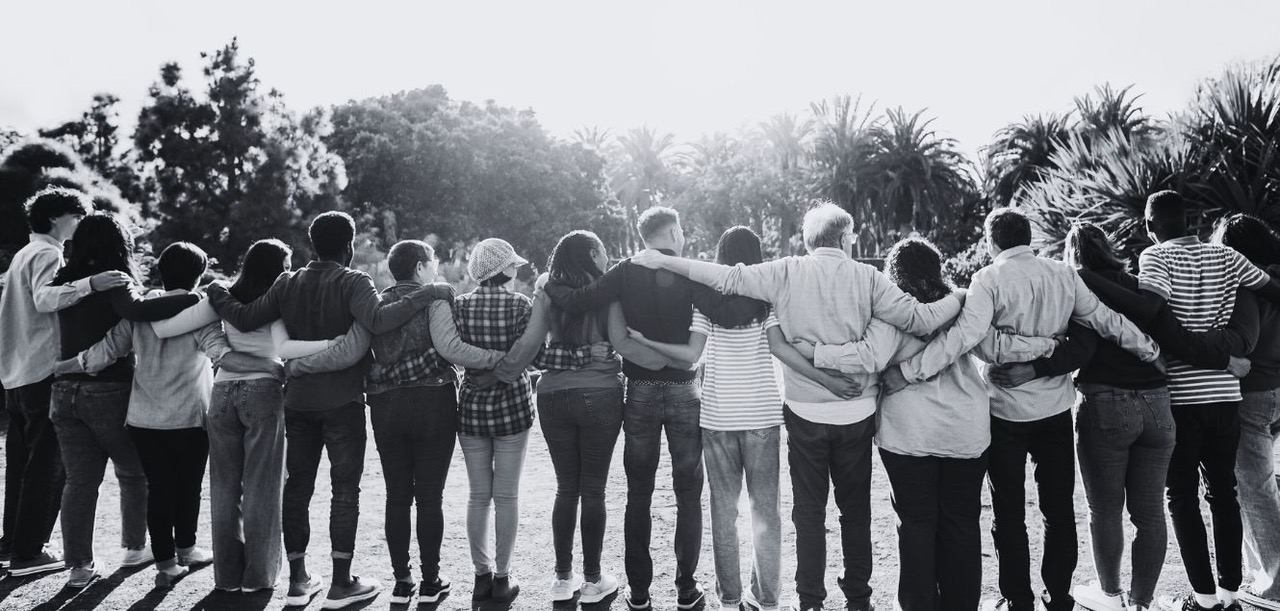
(739, 384)
(1199, 281)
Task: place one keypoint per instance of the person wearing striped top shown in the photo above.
(741, 421)
(1199, 281)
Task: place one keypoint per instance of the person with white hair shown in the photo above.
(824, 297)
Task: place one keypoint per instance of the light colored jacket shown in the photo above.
(28, 326)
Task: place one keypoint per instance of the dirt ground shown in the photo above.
(133, 589)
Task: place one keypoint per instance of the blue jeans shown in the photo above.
(246, 473)
(341, 432)
(89, 418)
(1125, 440)
(494, 465)
(731, 456)
(581, 427)
(649, 409)
(1259, 496)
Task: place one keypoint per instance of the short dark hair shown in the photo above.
(1007, 228)
(1167, 212)
(181, 265)
(54, 202)
(655, 219)
(331, 234)
(497, 279)
(405, 256)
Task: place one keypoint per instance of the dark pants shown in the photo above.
(822, 457)
(33, 470)
(341, 432)
(581, 428)
(1125, 440)
(650, 409)
(1050, 443)
(939, 503)
(416, 430)
(174, 462)
(1208, 438)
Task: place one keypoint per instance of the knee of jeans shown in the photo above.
(346, 497)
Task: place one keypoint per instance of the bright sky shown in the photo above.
(684, 66)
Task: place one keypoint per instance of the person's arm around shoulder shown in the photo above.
(761, 281)
(448, 342)
(599, 293)
(366, 304)
(894, 306)
(49, 298)
(1092, 313)
(115, 345)
(186, 321)
(248, 316)
(945, 349)
(526, 347)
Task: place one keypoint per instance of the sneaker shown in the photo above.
(637, 600)
(300, 594)
(1247, 595)
(563, 589)
(136, 557)
(505, 589)
(690, 599)
(1093, 598)
(402, 592)
(82, 576)
(194, 557)
(166, 577)
(432, 592)
(598, 591)
(1004, 604)
(43, 562)
(483, 589)
(1235, 606)
(1185, 603)
(354, 592)
(6, 554)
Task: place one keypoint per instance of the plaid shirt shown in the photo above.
(493, 318)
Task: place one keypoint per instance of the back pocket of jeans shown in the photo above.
(1104, 411)
(604, 407)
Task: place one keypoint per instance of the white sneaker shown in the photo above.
(137, 557)
(194, 556)
(563, 589)
(1246, 594)
(1093, 598)
(598, 591)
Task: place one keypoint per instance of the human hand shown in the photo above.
(1239, 367)
(633, 334)
(278, 370)
(601, 351)
(1013, 374)
(541, 282)
(485, 380)
(105, 281)
(649, 258)
(841, 385)
(892, 381)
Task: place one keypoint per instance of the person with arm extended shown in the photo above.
(89, 411)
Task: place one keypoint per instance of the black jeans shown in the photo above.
(939, 503)
(341, 432)
(1208, 437)
(416, 430)
(581, 428)
(33, 470)
(823, 456)
(1050, 442)
(174, 462)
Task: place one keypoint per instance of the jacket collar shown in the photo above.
(1010, 253)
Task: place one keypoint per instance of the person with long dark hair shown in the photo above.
(89, 411)
(741, 421)
(1124, 420)
(28, 351)
(1259, 419)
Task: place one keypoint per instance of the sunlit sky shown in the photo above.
(688, 67)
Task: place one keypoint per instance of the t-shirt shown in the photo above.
(739, 386)
(1199, 281)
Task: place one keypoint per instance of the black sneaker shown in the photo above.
(402, 592)
(505, 589)
(1235, 606)
(430, 592)
(637, 600)
(41, 563)
(1185, 603)
(690, 598)
(484, 588)
(358, 590)
(1005, 604)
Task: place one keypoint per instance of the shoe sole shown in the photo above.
(36, 570)
(301, 600)
(400, 600)
(638, 606)
(80, 585)
(1258, 601)
(422, 598)
(330, 603)
(599, 597)
(693, 604)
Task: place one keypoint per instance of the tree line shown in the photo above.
(221, 160)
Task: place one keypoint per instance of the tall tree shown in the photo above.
(642, 174)
(844, 145)
(921, 177)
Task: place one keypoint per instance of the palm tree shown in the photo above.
(843, 146)
(788, 141)
(641, 173)
(592, 138)
(1108, 109)
(1020, 155)
(922, 178)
